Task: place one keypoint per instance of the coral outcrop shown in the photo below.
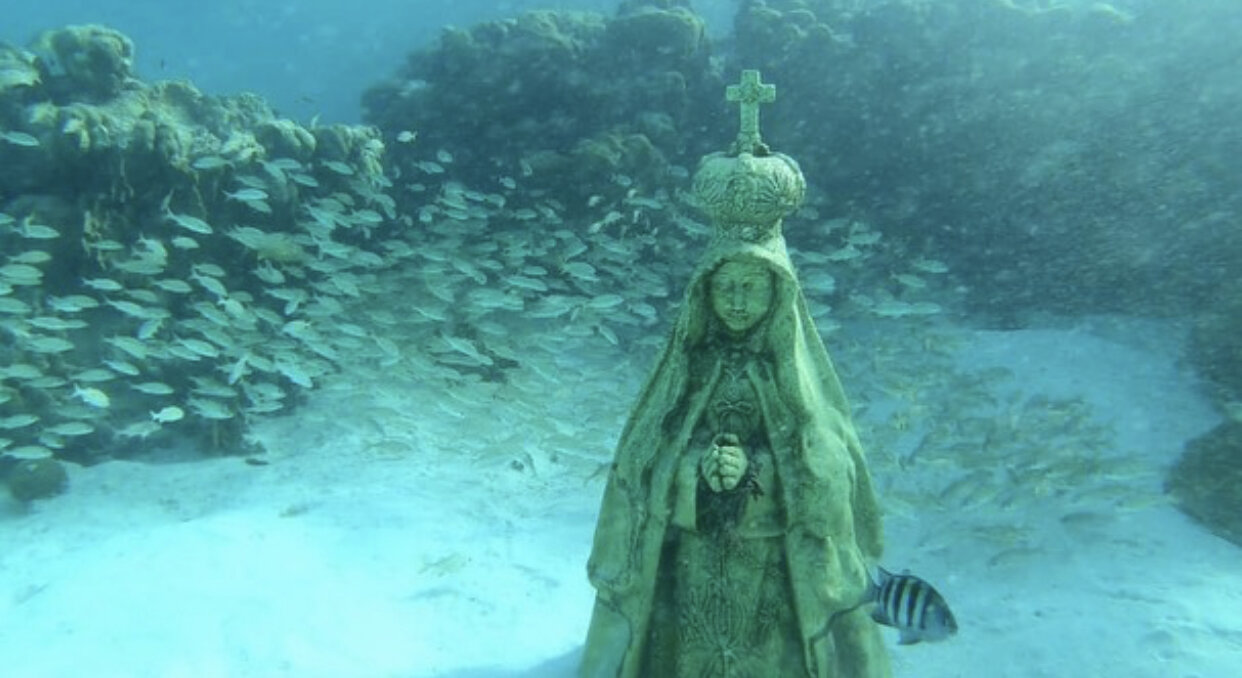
(562, 99)
(1049, 151)
(167, 252)
(1207, 481)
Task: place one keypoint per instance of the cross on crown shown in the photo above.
(748, 94)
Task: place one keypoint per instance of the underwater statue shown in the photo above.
(738, 522)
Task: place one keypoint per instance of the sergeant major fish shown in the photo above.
(912, 606)
(906, 603)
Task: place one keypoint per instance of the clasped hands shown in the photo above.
(724, 465)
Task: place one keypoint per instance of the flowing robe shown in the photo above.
(649, 531)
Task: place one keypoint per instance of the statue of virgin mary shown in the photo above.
(738, 522)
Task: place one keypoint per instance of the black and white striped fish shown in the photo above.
(912, 606)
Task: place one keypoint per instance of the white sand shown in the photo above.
(389, 536)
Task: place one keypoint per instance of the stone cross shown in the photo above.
(749, 94)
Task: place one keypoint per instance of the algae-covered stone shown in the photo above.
(1207, 481)
(1103, 195)
(91, 63)
(1215, 349)
(36, 479)
(17, 69)
(554, 98)
(671, 37)
(284, 138)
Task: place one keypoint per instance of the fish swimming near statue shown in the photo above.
(906, 603)
(912, 606)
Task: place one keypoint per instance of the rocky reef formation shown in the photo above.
(563, 100)
(576, 135)
(1207, 481)
(169, 257)
(1047, 153)
(1216, 347)
(1063, 157)
(552, 147)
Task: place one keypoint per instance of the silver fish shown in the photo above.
(247, 195)
(19, 138)
(190, 223)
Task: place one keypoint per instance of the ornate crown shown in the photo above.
(747, 196)
(749, 190)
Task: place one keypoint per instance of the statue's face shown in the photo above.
(741, 294)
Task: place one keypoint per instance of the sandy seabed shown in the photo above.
(400, 529)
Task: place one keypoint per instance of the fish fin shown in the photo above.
(876, 581)
(908, 638)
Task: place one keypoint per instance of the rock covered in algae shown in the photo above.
(1058, 116)
(18, 70)
(1214, 347)
(1207, 481)
(32, 479)
(90, 62)
(166, 252)
(559, 99)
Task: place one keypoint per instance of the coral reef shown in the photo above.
(551, 95)
(565, 187)
(1215, 349)
(172, 259)
(1048, 151)
(1207, 481)
(84, 63)
(553, 145)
